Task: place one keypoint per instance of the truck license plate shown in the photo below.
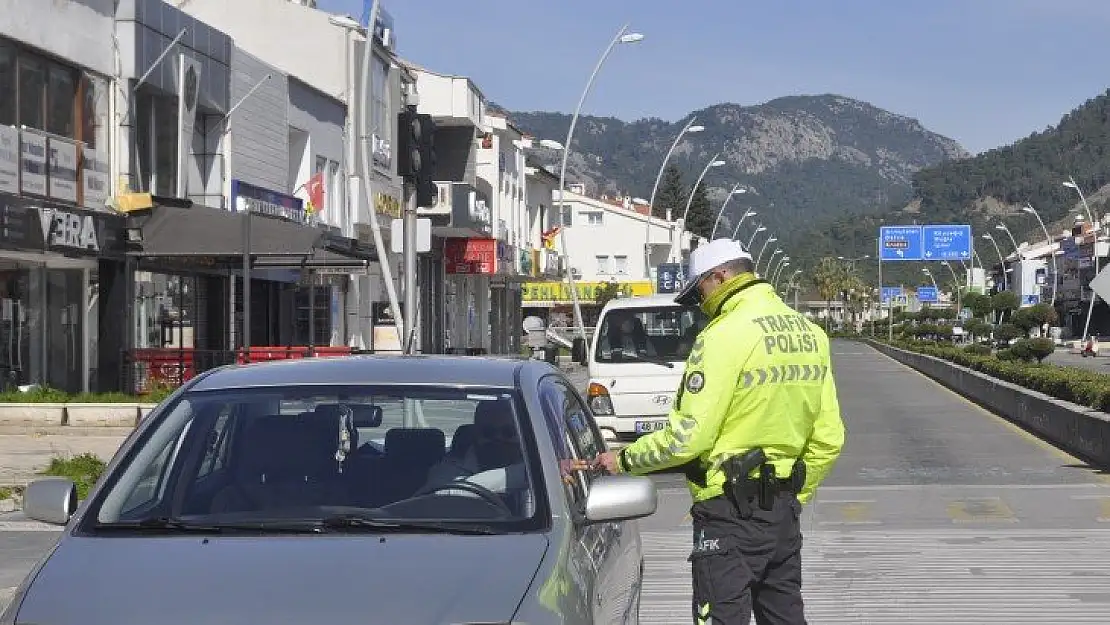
(644, 427)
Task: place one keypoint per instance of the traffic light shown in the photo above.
(416, 154)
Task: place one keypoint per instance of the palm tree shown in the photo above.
(828, 278)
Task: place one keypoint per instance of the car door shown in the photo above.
(603, 547)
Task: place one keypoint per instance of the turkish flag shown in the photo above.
(315, 189)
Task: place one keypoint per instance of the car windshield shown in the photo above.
(295, 456)
(663, 333)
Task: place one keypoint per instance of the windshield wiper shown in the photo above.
(160, 524)
(354, 521)
(655, 361)
(165, 524)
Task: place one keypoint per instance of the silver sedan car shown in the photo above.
(380, 490)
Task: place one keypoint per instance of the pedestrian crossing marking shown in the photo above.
(977, 509)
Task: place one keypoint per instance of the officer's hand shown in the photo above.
(609, 461)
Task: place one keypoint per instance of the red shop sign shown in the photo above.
(470, 256)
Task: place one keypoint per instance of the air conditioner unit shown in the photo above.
(410, 94)
(442, 206)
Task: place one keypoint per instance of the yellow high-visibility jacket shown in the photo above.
(759, 375)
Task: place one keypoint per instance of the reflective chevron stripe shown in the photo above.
(784, 373)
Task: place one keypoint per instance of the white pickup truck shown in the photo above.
(635, 362)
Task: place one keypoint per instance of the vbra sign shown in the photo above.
(62, 228)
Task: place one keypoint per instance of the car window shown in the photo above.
(306, 453)
(572, 428)
(658, 332)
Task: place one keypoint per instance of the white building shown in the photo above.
(607, 240)
(320, 53)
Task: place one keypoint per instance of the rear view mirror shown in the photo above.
(620, 498)
(578, 351)
(366, 415)
(363, 415)
(50, 500)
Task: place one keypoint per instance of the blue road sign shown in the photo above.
(946, 242)
(891, 292)
(1030, 300)
(927, 294)
(900, 243)
(667, 278)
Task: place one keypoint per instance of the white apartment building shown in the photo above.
(607, 240)
(321, 53)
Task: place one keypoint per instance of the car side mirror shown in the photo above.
(620, 498)
(50, 500)
(578, 351)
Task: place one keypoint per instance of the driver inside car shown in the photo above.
(496, 458)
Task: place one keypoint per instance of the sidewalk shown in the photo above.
(24, 455)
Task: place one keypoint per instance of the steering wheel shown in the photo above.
(488, 495)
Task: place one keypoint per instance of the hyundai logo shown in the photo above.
(661, 400)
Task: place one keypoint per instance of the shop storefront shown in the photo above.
(469, 265)
(552, 301)
(59, 270)
(188, 289)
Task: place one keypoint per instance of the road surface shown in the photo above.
(938, 512)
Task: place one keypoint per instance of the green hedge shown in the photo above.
(47, 395)
(1073, 384)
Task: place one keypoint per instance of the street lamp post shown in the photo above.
(1070, 183)
(1001, 259)
(713, 162)
(736, 190)
(784, 262)
(778, 272)
(770, 261)
(1028, 208)
(622, 36)
(747, 213)
(956, 282)
(758, 229)
(759, 256)
(689, 128)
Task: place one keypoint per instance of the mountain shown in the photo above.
(807, 158)
(992, 187)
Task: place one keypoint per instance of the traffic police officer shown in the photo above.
(756, 422)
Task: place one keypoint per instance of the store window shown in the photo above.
(321, 316)
(41, 93)
(32, 92)
(7, 85)
(42, 327)
(165, 310)
(61, 101)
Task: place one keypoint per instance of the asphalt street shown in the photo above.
(937, 512)
(1062, 357)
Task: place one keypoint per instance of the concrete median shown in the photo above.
(1081, 431)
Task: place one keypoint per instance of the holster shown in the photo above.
(742, 489)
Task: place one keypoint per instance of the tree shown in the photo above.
(606, 292)
(700, 218)
(828, 279)
(671, 194)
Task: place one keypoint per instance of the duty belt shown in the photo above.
(742, 489)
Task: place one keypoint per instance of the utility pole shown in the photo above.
(409, 255)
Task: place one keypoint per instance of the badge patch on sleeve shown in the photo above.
(695, 381)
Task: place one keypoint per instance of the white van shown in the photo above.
(635, 362)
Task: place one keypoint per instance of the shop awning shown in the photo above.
(181, 231)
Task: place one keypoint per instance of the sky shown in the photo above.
(983, 72)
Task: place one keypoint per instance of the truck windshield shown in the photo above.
(664, 333)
